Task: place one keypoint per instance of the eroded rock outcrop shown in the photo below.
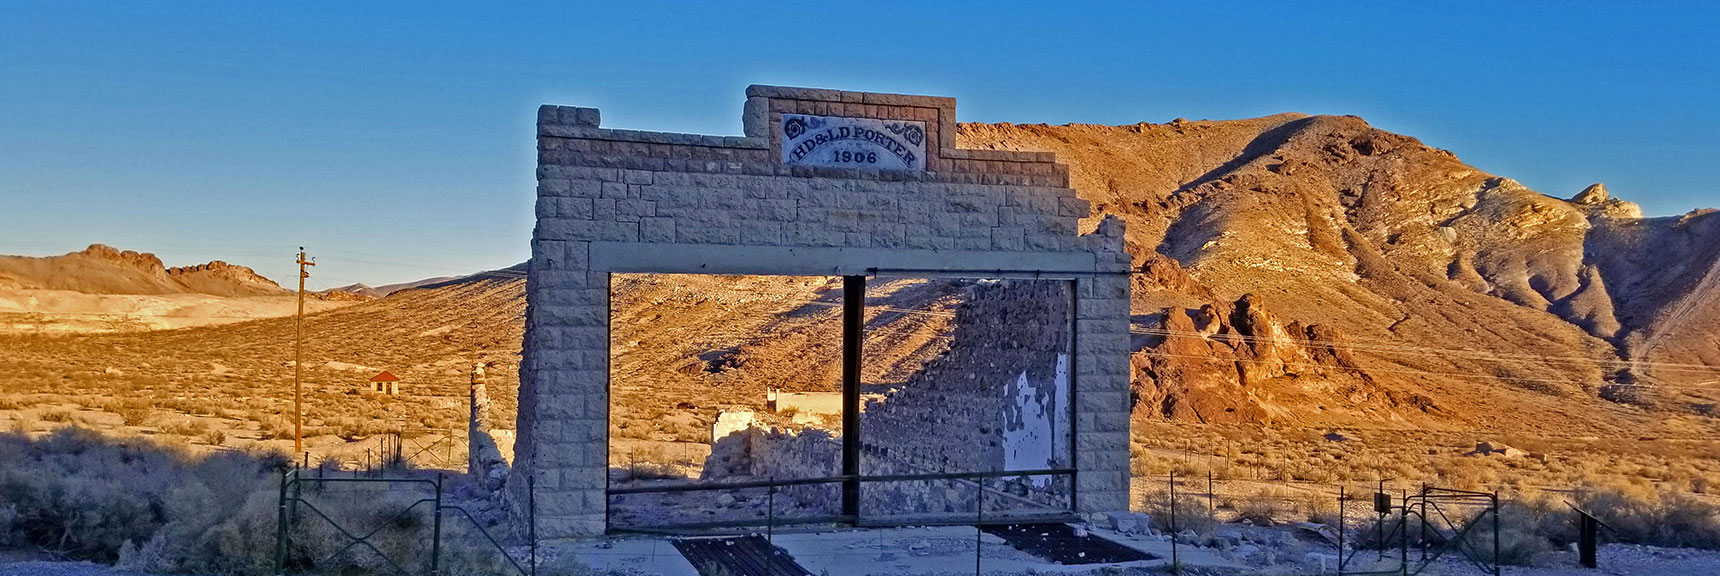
(1236, 362)
(103, 269)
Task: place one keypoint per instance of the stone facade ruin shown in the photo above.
(823, 182)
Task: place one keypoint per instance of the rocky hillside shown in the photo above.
(1305, 268)
(102, 269)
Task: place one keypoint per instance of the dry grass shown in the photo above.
(236, 379)
(155, 508)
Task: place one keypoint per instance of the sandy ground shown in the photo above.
(67, 312)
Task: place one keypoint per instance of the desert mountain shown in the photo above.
(1455, 293)
(369, 291)
(102, 269)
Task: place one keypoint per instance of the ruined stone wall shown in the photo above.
(626, 201)
(951, 416)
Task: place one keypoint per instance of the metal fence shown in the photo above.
(1405, 532)
(299, 507)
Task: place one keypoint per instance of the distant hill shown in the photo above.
(102, 269)
(1388, 279)
(367, 290)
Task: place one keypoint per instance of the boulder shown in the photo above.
(1128, 522)
(1485, 448)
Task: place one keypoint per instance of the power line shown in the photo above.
(1411, 349)
(1395, 348)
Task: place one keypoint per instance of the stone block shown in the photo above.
(583, 337)
(1008, 238)
(657, 229)
(1105, 501)
(760, 233)
(1101, 441)
(584, 188)
(971, 243)
(574, 208)
(1104, 460)
(583, 478)
(636, 208)
(585, 432)
(782, 210)
(1042, 242)
(1075, 207)
(1091, 402)
(560, 503)
(569, 527)
(552, 454)
(1103, 308)
(574, 296)
(559, 278)
(572, 315)
(1114, 420)
(575, 116)
(1100, 479)
(612, 190)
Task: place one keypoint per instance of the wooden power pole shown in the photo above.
(299, 358)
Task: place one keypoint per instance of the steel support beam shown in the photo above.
(853, 334)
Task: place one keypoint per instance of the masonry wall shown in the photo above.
(628, 201)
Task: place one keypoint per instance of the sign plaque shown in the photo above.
(845, 142)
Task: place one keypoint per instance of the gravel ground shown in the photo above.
(1614, 559)
(45, 568)
(1629, 560)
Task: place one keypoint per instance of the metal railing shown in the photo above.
(773, 484)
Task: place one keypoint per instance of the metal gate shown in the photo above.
(424, 497)
(1443, 520)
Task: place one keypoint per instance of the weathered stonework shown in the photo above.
(622, 201)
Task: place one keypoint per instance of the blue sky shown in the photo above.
(395, 141)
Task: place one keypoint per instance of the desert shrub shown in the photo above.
(132, 413)
(57, 416)
(1527, 527)
(185, 427)
(1266, 507)
(214, 437)
(78, 495)
(275, 427)
(157, 509)
(1191, 512)
(1320, 509)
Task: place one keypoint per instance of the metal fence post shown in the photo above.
(979, 521)
(770, 524)
(1211, 507)
(1403, 533)
(1496, 511)
(1380, 524)
(1423, 521)
(531, 516)
(436, 531)
(1176, 561)
(1340, 530)
(281, 527)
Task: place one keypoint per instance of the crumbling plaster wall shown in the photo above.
(626, 201)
